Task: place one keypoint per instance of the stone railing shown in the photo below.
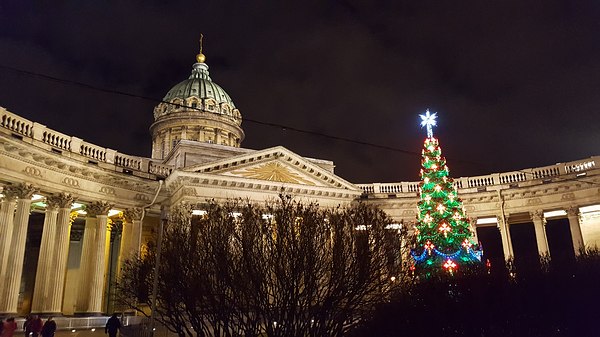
(507, 178)
(76, 148)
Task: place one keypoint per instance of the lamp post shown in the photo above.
(163, 218)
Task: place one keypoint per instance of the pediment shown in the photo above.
(276, 164)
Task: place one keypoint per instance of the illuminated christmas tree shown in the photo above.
(444, 236)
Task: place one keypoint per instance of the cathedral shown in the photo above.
(71, 211)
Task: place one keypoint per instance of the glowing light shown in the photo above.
(449, 265)
(113, 212)
(429, 246)
(487, 221)
(37, 197)
(76, 205)
(428, 218)
(555, 213)
(438, 188)
(444, 228)
(428, 198)
(267, 216)
(396, 226)
(198, 212)
(426, 180)
(434, 167)
(93, 329)
(428, 121)
(73, 330)
(467, 244)
(589, 209)
(235, 215)
(441, 208)
(456, 216)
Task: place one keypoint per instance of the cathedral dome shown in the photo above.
(199, 85)
(196, 109)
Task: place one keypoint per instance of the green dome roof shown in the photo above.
(199, 85)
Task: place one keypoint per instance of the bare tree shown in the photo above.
(283, 269)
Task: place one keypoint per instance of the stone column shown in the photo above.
(11, 278)
(577, 237)
(539, 223)
(42, 281)
(7, 214)
(507, 247)
(93, 261)
(132, 233)
(61, 254)
(89, 235)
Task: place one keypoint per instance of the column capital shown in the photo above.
(499, 221)
(61, 200)
(98, 208)
(537, 214)
(132, 214)
(20, 191)
(572, 211)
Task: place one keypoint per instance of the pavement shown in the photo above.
(99, 332)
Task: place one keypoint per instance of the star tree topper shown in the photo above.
(428, 120)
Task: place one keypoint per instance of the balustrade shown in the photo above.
(16, 124)
(21, 126)
(40, 133)
(506, 178)
(128, 161)
(160, 169)
(56, 139)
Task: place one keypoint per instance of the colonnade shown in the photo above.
(51, 268)
(539, 224)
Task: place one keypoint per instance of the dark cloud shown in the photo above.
(515, 82)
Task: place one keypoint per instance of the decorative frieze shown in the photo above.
(107, 190)
(32, 172)
(71, 182)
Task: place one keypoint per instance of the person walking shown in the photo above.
(49, 328)
(27, 325)
(9, 327)
(112, 326)
(36, 326)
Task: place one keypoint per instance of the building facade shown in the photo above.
(71, 212)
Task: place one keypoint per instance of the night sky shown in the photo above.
(516, 84)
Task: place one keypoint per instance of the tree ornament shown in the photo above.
(449, 265)
(429, 121)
